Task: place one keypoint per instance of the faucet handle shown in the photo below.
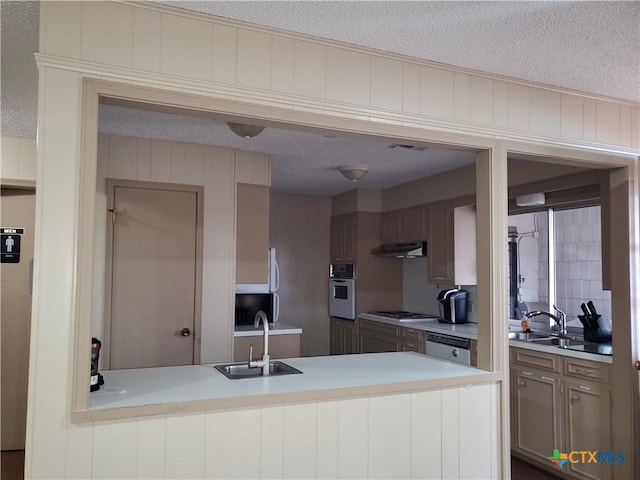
(560, 312)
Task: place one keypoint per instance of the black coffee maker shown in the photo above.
(96, 378)
(453, 306)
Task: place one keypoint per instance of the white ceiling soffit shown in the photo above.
(586, 46)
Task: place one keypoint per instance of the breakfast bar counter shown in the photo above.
(198, 387)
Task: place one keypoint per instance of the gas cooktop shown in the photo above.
(403, 316)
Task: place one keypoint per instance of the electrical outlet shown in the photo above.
(471, 306)
(522, 278)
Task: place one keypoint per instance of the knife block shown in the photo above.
(599, 334)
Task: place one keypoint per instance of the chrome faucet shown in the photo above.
(264, 363)
(561, 319)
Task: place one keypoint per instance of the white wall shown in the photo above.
(17, 158)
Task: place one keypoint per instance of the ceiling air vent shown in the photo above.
(407, 147)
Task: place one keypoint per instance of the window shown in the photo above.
(567, 274)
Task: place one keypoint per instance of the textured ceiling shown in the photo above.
(19, 23)
(587, 46)
(301, 162)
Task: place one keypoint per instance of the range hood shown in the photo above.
(401, 250)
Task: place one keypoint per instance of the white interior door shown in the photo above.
(18, 210)
(153, 277)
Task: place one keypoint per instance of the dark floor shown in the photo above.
(521, 470)
(12, 465)
(13, 468)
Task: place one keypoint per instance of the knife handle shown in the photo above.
(585, 310)
(592, 308)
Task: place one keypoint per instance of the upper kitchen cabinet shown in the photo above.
(440, 255)
(343, 238)
(406, 225)
(252, 234)
(451, 247)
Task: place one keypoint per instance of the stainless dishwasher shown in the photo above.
(447, 347)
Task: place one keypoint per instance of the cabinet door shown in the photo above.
(349, 239)
(413, 224)
(587, 426)
(390, 227)
(336, 239)
(337, 335)
(252, 234)
(344, 339)
(440, 259)
(536, 421)
(343, 239)
(371, 344)
(377, 337)
(349, 339)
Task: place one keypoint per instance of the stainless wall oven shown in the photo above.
(342, 291)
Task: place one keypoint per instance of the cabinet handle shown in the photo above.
(583, 371)
(585, 388)
(528, 374)
(548, 379)
(574, 398)
(522, 383)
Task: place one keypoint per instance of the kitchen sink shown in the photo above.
(527, 336)
(236, 371)
(560, 342)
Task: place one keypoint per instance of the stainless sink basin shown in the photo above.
(560, 342)
(236, 371)
(527, 336)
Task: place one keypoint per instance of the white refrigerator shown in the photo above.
(270, 287)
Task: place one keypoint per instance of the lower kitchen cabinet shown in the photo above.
(588, 425)
(344, 340)
(535, 413)
(377, 337)
(560, 403)
(280, 346)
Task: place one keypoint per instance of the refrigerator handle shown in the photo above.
(276, 307)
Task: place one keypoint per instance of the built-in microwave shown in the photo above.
(249, 304)
(342, 291)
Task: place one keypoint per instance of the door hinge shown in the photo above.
(114, 212)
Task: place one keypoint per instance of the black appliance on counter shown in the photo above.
(96, 377)
(453, 305)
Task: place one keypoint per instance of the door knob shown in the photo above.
(637, 364)
(185, 332)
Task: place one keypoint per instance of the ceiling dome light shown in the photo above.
(243, 130)
(354, 172)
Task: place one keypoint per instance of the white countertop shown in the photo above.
(470, 330)
(463, 330)
(565, 352)
(277, 329)
(193, 383)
